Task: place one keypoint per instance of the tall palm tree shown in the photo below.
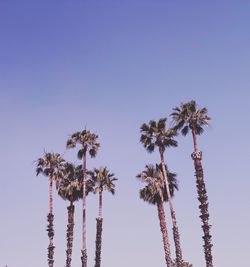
(155, 192)
(189, 117)
(52, 166)
(70, 188)
(156, 134)
(102, 180)
(88, 143)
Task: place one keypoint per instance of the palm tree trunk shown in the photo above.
(203, 199)
(51, 195)
(84, 245)
(176, 234)
(164, 231)
(98, 242)
(70, 233)
(50, 227)
(100, 204)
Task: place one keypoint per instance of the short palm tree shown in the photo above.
(155, 193)
(189, 117)
(156, 134)
(70, 189)
(102, 179)
(52, 166)
(88, 143)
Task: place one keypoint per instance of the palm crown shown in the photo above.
(102, 179)
(157, 134)
(187, 116)
(70, 188)
(87, 140)
(52, 164)
(155, 190)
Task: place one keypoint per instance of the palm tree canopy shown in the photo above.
(157, 134)
(70, 187)
(102, 179)
(87, 140)
(188, 116)
(155, 191)
(52, 164)
(70, 190)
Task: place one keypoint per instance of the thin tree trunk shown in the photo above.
(164, 231)
(84, 245)
(100, 204)
(51, 195)
(50, 226)
(176, 234)
(203, 199)
(70, 234)
(98, 241)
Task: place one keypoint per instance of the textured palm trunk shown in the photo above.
(164, 231)
(50, 226)
(98, 241)
(203, 199)
(84, 245)
(176, 234)
(70, 234)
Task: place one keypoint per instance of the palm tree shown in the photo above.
(70, 188)
(88, 143)
(155, 192)
(102, 180)
(155, 134)
(188, 117)
(52, 166)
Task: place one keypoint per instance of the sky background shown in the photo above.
(111, 66)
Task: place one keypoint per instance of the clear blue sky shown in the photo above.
(110, 66)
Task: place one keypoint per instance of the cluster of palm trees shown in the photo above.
(74, 183)
(161, 183)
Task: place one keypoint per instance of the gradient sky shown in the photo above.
(110, 66)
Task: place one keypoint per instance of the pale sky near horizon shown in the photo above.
(110, 66)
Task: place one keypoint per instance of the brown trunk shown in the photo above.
(50, 194)
(84, 246)
(203, 199)
(172, 212)
(50, 231)
(50, 226)
(164, 231)
(195, 141)
(98, 242)
(70, 233)
(100, 204)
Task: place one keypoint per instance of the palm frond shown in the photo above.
(92, 152)
(150, 148)
(87, 140)
(157, 134)
(80, 154)
(185, 130)
(52, 164)
(188, 116)
(155, 190)
(102, 179)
